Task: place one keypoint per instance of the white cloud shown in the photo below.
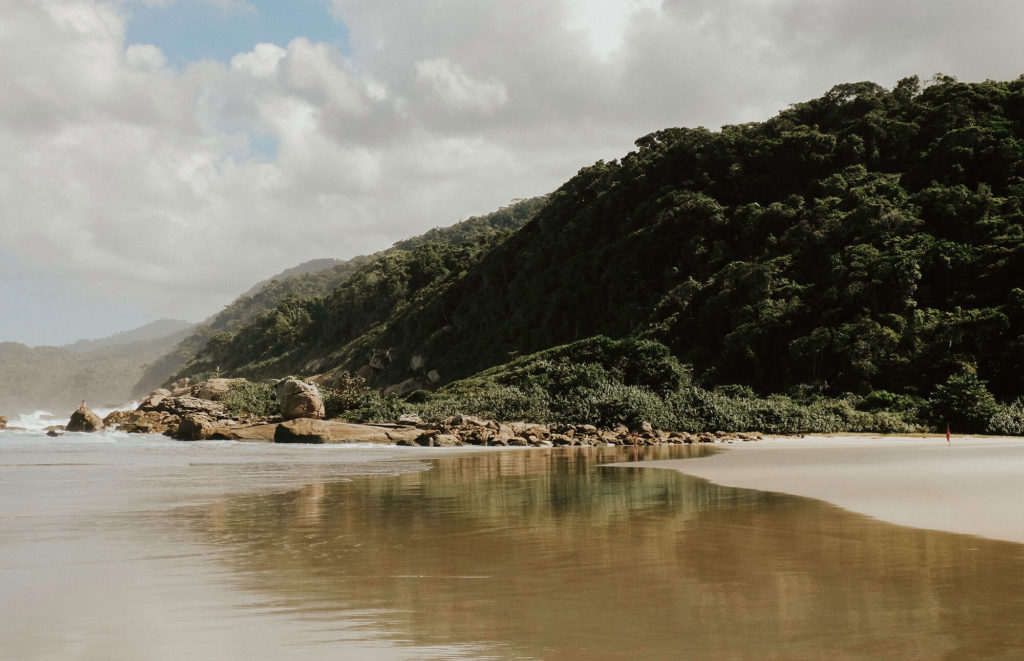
(178, 188)
(457, 89)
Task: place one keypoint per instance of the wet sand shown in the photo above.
(972, 486)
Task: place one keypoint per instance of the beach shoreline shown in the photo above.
(969, 486)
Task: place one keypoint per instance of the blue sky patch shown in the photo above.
(191, 30)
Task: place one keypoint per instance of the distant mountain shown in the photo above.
(58, 378)
(868, 241)
(155, 330)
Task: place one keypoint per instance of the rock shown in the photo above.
(365, 373)
(214, 389)
(303, 430)
(181, 388)
(433, 376)
(194, 427)
(84, 420)
(446, 441)
(151, 402)
(380, 359)
(142, 422)
(54, 433)
(182, 406)
(3, 421)
(299, 400)
(517, 441)
(410, 419)
(402, 389)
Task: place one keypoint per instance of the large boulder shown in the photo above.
(216, 388)
(299, 400)
(303, 430)
(195, 427)
(84, 420)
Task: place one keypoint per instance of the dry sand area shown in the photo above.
(974, 485)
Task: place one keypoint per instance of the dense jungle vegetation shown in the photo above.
(860, 252)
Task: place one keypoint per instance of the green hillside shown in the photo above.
(188, 357)
(866, 241)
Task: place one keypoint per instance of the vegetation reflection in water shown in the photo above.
(549, 554)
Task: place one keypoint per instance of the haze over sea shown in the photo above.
(118, 547)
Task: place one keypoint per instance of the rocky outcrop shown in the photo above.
(214, 389)
(470, 430)
(303, 430)
(299, 399)
(182, 406)
(84, 420)
(142, 422)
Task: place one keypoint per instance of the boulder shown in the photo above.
(195, 427)
(182, 406)
(214, 389)
(410, 419)
(3, 421)
(84, 420)
(299, 400)
(303, 430)
(402, 389)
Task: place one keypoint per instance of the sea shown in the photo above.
(127, 547)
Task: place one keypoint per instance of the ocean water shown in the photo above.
(138, 547)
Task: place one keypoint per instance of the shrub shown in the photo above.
(963, 402)
(346, 393)
(251, 399)
(1008, 419)
(377, 408)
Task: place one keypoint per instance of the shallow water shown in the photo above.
(118, 548)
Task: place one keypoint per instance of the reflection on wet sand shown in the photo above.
(548, 554)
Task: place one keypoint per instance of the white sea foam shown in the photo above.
(40, 419)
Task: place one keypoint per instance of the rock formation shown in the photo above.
(303, 430)
(299, 400)
(215, 388)
(84, 420)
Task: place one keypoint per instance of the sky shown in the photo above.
(159, 157)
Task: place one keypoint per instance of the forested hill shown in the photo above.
(306, 282)
(870, 239)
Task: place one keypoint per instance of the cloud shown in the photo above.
(178, 187)
(457, 89)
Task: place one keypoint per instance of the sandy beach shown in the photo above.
(972, 485)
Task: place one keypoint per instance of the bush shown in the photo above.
(251, 399)
(346, 393)
(377, 408)
(963, 402)
(1008, 420)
